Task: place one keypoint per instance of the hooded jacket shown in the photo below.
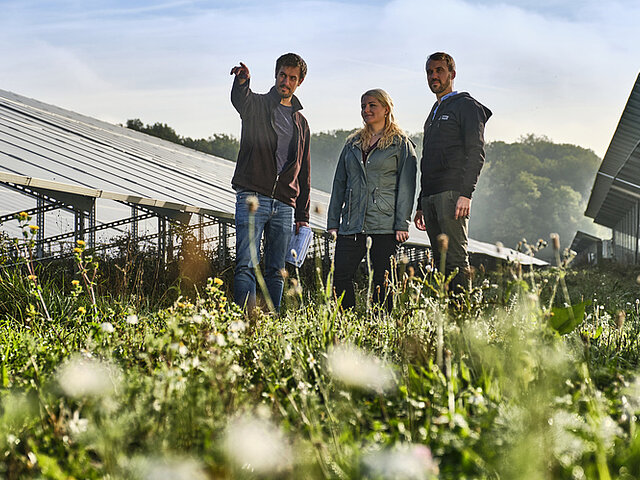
(256, 167)
(453, 146)
(375, 199)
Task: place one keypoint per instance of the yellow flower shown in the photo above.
(34, 228)
(75, 283)
(81, 243)
(33, 278)
(23, 216)
(82, 310)
(218, 281)
(77, 250)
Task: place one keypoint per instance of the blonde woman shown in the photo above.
(372, 196)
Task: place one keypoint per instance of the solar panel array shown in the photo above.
(41, 142)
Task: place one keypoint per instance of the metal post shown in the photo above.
(79, 231)
(92, 224)
(134, 224)
(162, 240)
(40, 225)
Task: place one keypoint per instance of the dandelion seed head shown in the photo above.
(132, 319)
(407, 462)
(107, 327)
(253, 203)
(258, 444)
(85, 377)
(443, 242)
(359, 369)
(167, 469)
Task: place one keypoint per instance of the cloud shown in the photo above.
(555, 68)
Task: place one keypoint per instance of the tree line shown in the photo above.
(527, 189)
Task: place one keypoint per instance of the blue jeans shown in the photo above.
(274, 219)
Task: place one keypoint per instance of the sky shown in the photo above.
(562, 69)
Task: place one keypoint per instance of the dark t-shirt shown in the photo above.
(284, 129)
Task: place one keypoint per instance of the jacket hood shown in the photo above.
(466, 95)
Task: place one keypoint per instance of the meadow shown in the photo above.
(531, 375)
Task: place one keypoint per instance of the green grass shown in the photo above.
(479, 386)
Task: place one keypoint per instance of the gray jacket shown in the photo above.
(377, 198)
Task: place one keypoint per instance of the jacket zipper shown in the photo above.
(275, 184)
(349, 213)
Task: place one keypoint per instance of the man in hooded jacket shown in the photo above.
(452, 157)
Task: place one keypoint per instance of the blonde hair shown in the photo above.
(391, 128)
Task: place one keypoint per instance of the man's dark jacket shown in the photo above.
(453, 146)
(256, 167)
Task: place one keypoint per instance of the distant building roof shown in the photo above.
(583, 240)
(617, 184)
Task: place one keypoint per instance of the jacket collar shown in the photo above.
(274, 96)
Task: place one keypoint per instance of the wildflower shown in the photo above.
(107, 327)
(23, 216)
(253, 203)
(217, 281)
(311, 361)
(257, 443)
(356, 368)
(85, 377)
(82, 310)
(77, 250)
(75, 283)
(33, 278)
(220, 340)
(132, 319)
(182, 349)
(81, 243)
(237, 326)
(288, 352)
(34, 228)
(78, 425)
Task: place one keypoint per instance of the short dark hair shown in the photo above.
(451, 65)
(292, 60)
